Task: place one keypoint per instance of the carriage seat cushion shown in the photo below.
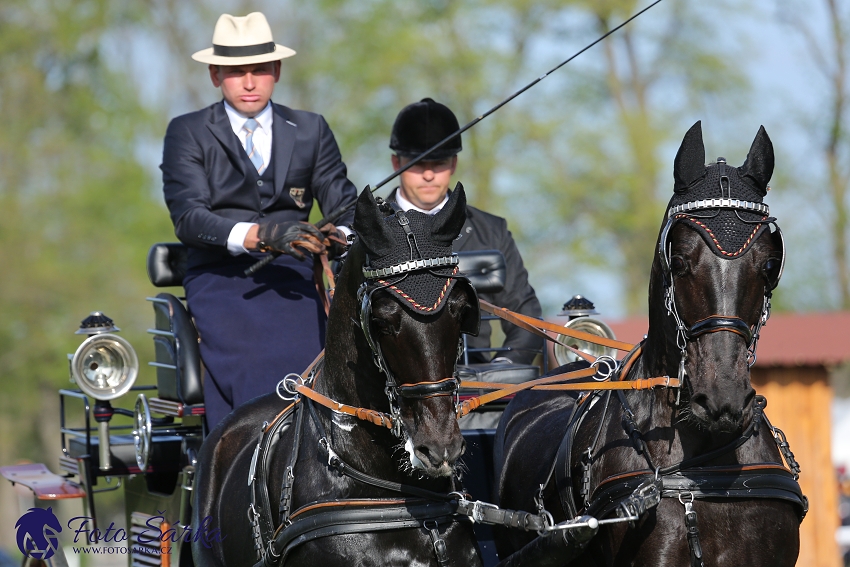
(502, 373)
(177, 348)
(484, 268)
(167, 264)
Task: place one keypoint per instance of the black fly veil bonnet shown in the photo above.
(409, 254)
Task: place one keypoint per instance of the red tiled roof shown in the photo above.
(788, 339)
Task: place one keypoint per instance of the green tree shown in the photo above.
(78, 213)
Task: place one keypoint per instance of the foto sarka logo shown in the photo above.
(38, 533)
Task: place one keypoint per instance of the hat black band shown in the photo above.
(243, 50)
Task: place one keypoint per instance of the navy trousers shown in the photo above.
(253, 330)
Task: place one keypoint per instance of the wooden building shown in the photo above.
(795, 355)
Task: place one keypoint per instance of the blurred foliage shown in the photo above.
(78, 213)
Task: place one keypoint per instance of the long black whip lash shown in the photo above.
(332, 217)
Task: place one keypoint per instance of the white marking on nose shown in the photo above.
(414, 460)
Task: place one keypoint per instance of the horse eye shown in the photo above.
(678, 265)
(384, 326)
(771, 269)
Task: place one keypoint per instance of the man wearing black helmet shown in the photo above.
(425, 187)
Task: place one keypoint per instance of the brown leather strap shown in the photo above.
(538, 327)
(372, 416)
(319, 262)
(639, 384)
(474, 403)
(545, 383)
(344, 503)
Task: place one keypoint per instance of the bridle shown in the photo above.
(715, 323)
(379, 279)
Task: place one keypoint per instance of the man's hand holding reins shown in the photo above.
(335, 240)
(291, 237)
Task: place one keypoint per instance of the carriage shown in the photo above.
(708, 444)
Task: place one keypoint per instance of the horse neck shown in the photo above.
(350, 375)
(654, 409)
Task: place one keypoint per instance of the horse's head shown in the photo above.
(717, 263)
(413, 309)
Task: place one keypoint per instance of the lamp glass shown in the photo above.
(587, 325)
(105, 366)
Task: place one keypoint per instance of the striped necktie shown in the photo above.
(252, 151)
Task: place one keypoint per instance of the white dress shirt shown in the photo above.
(263, 143)
(407, 205)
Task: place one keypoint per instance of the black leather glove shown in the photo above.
(335, 240)
(290, 237)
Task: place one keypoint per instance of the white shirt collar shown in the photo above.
(237, 119)
(407, 205)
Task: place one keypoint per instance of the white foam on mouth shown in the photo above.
(414, 460)
(344, 422)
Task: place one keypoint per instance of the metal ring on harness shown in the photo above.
(610, 367)
(289, 385)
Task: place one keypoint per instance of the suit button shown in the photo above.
(259, 183)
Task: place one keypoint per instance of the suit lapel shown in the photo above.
(219, 125)
(283, 141)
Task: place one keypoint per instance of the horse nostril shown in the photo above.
(426, 455)
(700, 400)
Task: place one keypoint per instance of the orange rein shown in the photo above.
(500, 391)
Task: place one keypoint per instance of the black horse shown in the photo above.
(350, 491)
(707, 447)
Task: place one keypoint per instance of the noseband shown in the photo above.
(714, 323)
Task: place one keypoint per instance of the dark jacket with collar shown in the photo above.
(483, 231)
(208, 187)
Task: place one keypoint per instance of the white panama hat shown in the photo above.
(242, 41)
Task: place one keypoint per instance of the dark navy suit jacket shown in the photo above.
(208, 189)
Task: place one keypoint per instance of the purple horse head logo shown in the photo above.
(37, 533)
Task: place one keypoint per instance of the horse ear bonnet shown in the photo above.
(728, 232)
(387, 244)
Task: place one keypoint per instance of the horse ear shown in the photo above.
(449, 221)
(369, 224)
(758, 167)
(689, 164)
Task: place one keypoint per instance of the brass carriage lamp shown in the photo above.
(104, 367)
(579, 310)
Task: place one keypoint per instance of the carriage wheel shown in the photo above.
(142, 432)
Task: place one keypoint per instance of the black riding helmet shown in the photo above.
(421, 125)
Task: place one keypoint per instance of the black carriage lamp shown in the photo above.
(579, 309)
(105, 366)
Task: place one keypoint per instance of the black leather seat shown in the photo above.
(485, 269)
(178, 358)
(167, 263)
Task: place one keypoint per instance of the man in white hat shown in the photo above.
(239, 178)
